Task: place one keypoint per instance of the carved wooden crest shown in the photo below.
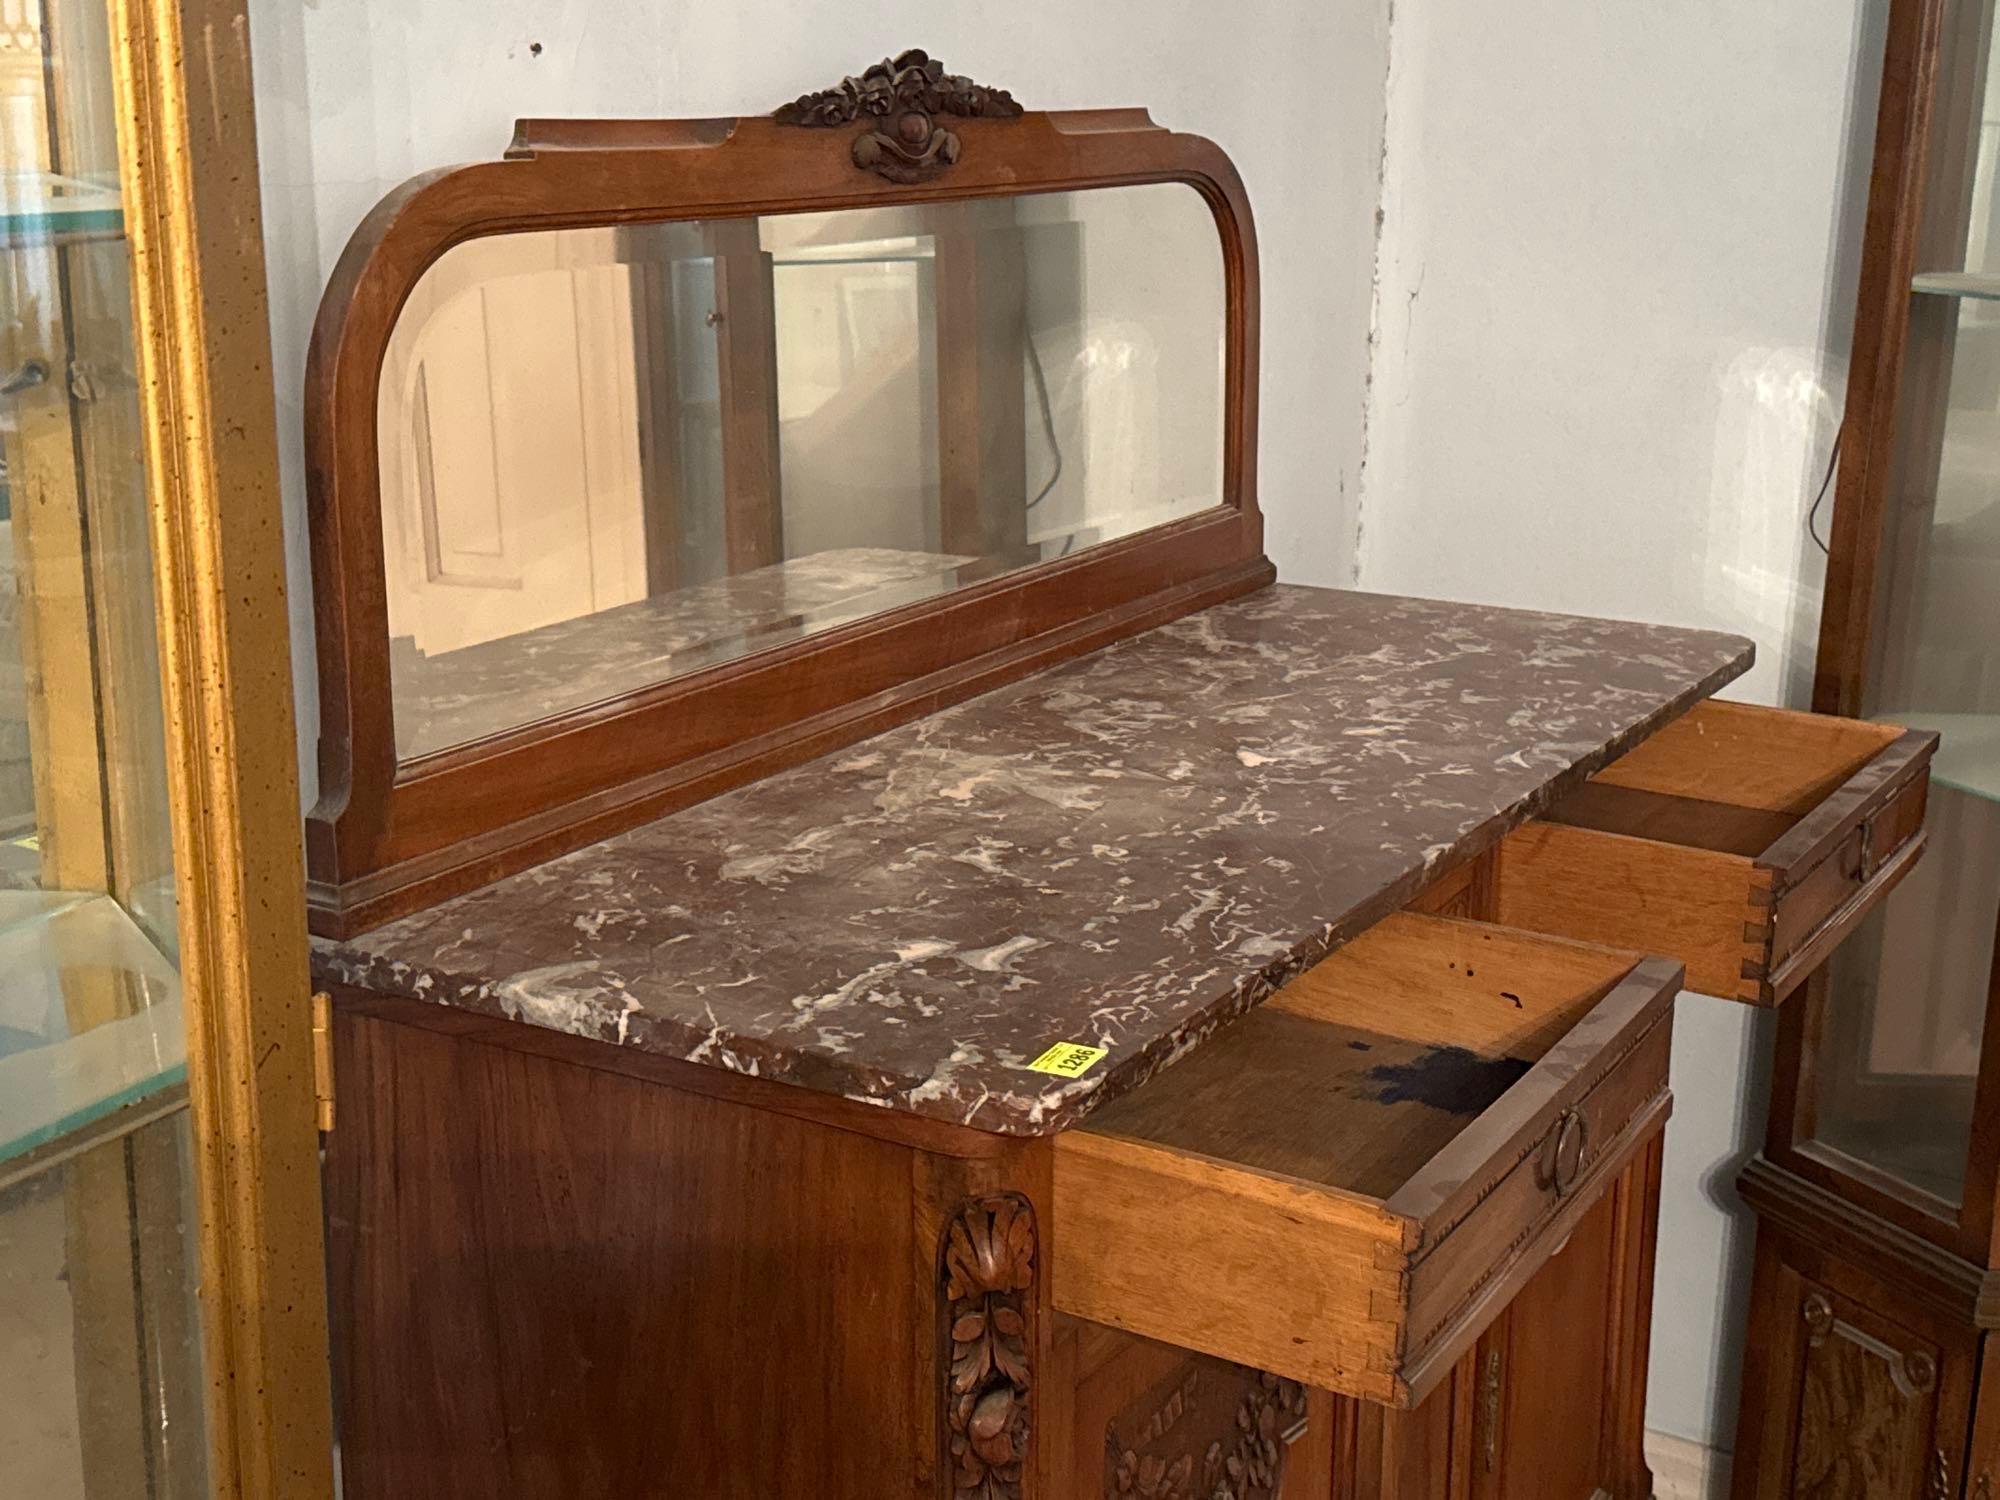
(901, 100)
(987, 1266)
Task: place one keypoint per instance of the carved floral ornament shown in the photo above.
(900, 101)
(988, 1268)
(1246, 1463)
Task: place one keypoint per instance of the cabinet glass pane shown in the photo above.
(100, 1393)
(1906, 1007)
(101, 1385)
(1905, 1012)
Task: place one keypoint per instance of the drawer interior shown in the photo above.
(1343, 1187)
(1730, 777)
(1746, 842)
(1370, 1064)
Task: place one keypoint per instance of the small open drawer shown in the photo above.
(1347, 1186)
(1746, 842)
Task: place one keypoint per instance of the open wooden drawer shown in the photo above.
(1746, 842)
(1347, 1186)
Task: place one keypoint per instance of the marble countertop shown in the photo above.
(1123, 851)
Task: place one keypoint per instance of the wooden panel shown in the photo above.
(1482, 1259)
(1751, 756)
(1696, 905)
(1416, 1454)
(1637, 1234)
(1465, 891)
(1121, 1258)
(1867, 1400)
(1341, 1106)
(1668, 819)
(1982, 1464)
(1554, 1357)
(747, 363)
(1368, 1065)
(1855, 873)
(1485, 989)
(981, 323)
(550, 1281)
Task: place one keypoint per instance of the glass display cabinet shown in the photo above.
(161, 1331)
(1871, 1369)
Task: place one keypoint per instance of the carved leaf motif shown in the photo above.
(987, 1266)
(1247, 1463)
(912, 80)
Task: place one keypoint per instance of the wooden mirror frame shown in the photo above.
(388, 838)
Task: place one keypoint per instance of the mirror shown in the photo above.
(613, 456)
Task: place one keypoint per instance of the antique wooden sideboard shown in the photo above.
(908, 965)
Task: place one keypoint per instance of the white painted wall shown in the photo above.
(356, 95)
(1617, 271)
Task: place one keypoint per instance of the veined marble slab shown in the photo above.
(1126, 850)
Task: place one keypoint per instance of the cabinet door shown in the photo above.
(1857, 1392)
(1550, 1404)
(1552, 1378)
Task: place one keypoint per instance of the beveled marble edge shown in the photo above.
(1054, 1104)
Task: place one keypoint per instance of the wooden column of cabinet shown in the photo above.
(1869, 1364)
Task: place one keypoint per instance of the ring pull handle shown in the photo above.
(1862, 861)
(1562, 1157)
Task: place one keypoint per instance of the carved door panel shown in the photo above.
(1867, 1407)
(1852, 1388)
(1147, 1421)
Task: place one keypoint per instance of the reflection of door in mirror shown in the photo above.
(519, 485)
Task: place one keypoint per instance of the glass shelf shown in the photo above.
(40, 208)
(90, 1016)
(1968, 754)
(1977, 286)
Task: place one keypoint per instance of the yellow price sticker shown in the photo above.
(1069, 1059)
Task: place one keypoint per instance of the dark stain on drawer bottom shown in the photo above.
(1452, 1079)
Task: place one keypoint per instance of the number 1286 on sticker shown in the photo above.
(1069, 1059)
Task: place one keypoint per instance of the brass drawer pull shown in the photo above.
(1563, 1156)
(1864, 861)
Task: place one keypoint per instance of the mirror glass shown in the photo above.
(613, 456)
